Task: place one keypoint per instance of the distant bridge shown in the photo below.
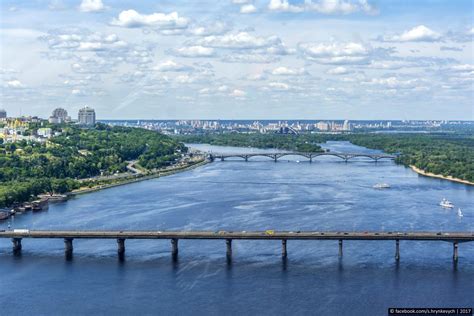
(69, 235)
(275, 156)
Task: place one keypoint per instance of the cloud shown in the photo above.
(172, 66)
(238, 93)
(248, 8)
(81, 40)
(250, 58)
(133, 19)
(451, 48)
(338, 71)
(417, 34)
(323, 6)
(393, 82)
(14, 84)
(284, 6)
(240, 40)
(91, 6)
(279, 86)
(208, 28)
(284, 71)
(337, 53)
(193, 51)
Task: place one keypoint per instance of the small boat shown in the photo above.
(381, 186)
(446, 204)
(460, 214)
(4, 215)
(297, 161)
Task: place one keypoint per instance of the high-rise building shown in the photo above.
(59, 116)
(322, 126)
(346, 126)
(86, 116)
(3, 114)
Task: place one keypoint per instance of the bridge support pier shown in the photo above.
(246, 158)
(16, 245)
(222, 158)
(310, 159)
(174, 248)
(228, 243)
(397, 250)
(340, 247)
(121, 248)
(284, 252)
(455, 251)
(68, 248)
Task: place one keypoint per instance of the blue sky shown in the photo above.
(239, 59)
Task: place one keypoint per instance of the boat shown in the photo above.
(381, 186)
(460, 214)
(446, 203)
(4, 215)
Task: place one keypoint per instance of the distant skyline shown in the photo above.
(239, 59)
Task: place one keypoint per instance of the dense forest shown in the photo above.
(286, 142)
(448, 154)
(31, 168)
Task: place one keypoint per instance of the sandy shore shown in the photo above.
(439, 176)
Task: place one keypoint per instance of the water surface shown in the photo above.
(328, 194)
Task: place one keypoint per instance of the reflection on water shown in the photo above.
(327, 194)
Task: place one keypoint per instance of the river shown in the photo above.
(328, 194)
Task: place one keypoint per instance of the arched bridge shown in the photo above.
(275, 156)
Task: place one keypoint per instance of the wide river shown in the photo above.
(256, 195)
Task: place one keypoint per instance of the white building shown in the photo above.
(59, 116)
(86, 116)
(322, 126)
(346, 126)
(45, 132)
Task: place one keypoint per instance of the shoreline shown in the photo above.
(156, 174)
(439, 176)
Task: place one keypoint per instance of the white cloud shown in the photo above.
(91, 6)
(417, 34)
(248, 8)
(171, 65)
(284, 71)
(14, 84)
(241, 40)
(208, 28)
(82, 40)
(240, 1)
(323, 6)
(337, 53)
(251, 58)
(395, 83)
(133, 19)
(338, 71)
(193, 51)
(283, 6)
(238, 93)
(278, 86)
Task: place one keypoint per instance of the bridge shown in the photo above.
(174, 236)
(309, 155)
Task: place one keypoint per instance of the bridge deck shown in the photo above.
(253, 235)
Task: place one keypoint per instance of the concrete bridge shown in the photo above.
(174, 236)
(309, 156)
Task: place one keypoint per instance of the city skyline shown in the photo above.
(239, 59)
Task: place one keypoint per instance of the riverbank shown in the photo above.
(439, 176)
(142, 177)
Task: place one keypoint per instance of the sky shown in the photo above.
(239, 59)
